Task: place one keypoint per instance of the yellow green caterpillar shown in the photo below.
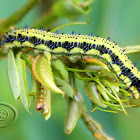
(71, 44)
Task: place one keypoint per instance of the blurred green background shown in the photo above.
(119, 19)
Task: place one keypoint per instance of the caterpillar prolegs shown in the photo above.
(71, 44)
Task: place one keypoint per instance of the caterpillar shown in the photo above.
(71, 44)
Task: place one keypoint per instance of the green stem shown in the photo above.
(28, 61)
(114, 92)
(72, 80)
(69, 24)
(78, 70)
(94, 127)
(18, 15)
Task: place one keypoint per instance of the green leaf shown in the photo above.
(47, 104)
(13, 75)
(61, 68)
(24, 94)
(94, 64)
(93, 94)
(103, 92)
(43, 72)
(64, 86)
(73, 113)
(33, 89)
(71, 9)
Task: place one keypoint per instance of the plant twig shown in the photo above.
(93, 126)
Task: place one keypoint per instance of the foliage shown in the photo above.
(60, 76)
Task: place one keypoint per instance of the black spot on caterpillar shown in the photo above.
(72, 44)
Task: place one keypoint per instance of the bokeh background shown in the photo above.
(119, 19)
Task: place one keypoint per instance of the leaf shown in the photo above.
(73, 113)
(94, 64)
(24, 94)
(47, 104)
(61, 68)
(70, 9)
(43, 73)
(102, 91)
(132, 49)
(13, 75)
(33, 89)
(92, 93)
(65, 87)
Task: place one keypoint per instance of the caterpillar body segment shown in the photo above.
(71, 44)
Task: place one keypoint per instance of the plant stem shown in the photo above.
(94, 126)
(18, 15)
